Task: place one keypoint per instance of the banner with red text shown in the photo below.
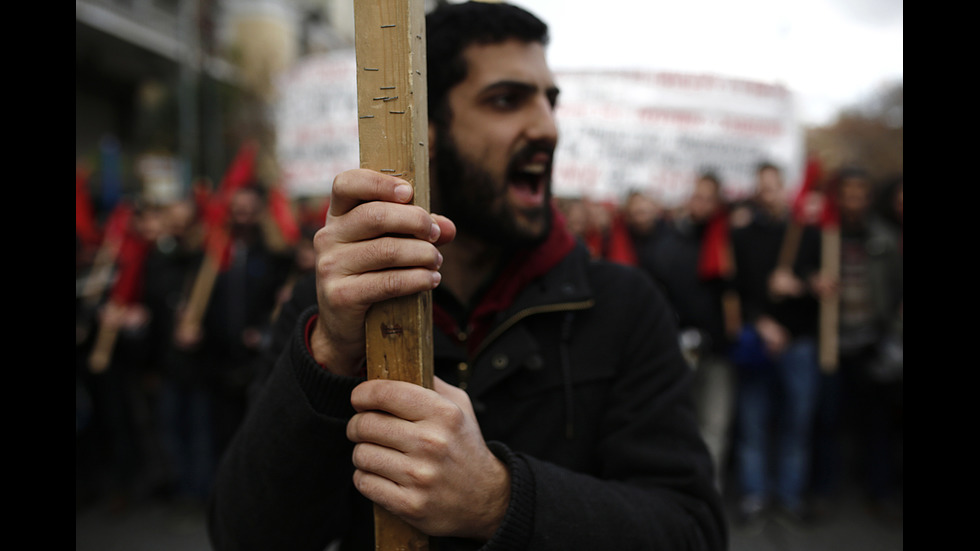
(619, 130)
(654, 131)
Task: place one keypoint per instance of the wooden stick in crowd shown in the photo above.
(829, 305)
(95, 287)
(393, 139)
(200, 294)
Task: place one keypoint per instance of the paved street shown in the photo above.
(155, 526)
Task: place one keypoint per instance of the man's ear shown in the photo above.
(432, 141)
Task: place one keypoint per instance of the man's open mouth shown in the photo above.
(528, 177)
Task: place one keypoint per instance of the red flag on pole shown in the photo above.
(128, 287)
(117, 226)
(86, 226)
(282, 213)
(239, 174)
(242, 169)
(815, 202)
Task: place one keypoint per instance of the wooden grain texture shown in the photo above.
(393, 133)
(829, 306)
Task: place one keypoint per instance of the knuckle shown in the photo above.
(422, 476)
(325, 266)
(340, 295)
(340, 182)
(324, 238)
(452, 415)
(391, 283)
(385, 249)
(434, 443)
(374, 215)
(413, 507)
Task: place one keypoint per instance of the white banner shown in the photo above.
(655, 131)
(316, 123)
(619, 131)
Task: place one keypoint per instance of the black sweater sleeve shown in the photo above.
(285, 480)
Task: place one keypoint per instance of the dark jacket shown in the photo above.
(697, 301)
(880, 246)
(757, 248)
(579, 388)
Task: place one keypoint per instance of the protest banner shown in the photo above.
(619, 130)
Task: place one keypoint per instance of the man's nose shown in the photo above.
(542, 126)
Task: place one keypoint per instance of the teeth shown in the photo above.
(534, 168)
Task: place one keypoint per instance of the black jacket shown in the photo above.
(757, 247)
(697, 302)
(579, 387)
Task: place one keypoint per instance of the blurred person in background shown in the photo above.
(184, 408)
(575, 213)
(890, 204)
(864, 394)
(775, 354)
(238, 316)
(118, 444)
(606, 234)
(644, 218)
(691, 261)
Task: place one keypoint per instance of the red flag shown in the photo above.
(282, 212)
(215, 212)
(815, 202)
(239, 174)
(620, 246)
(242, 169)
(128, 286)
(612, 242)
(86, 226)
(130, 252)
(117, 226)
(201, 194)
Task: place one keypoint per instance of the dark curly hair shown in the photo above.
(451, 28)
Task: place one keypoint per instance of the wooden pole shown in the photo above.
(96, 284)
(829, 306)
(393, 139)
(790, 246)
(200, 295)
(105, 342)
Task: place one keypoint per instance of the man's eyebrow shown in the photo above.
(508, 84)
(517, 84)
(520, 84)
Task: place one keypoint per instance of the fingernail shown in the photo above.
(438, 259)
(436, 278)
(434, 232)
(403, 192)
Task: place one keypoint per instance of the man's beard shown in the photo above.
(477, 204)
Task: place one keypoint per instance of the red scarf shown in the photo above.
(523, 268)
(715, 261)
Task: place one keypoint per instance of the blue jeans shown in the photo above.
(185, 412)
(775, 419)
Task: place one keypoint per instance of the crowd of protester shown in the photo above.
(789, 305)
(174, 301)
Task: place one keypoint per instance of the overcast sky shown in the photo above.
(830, 53)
